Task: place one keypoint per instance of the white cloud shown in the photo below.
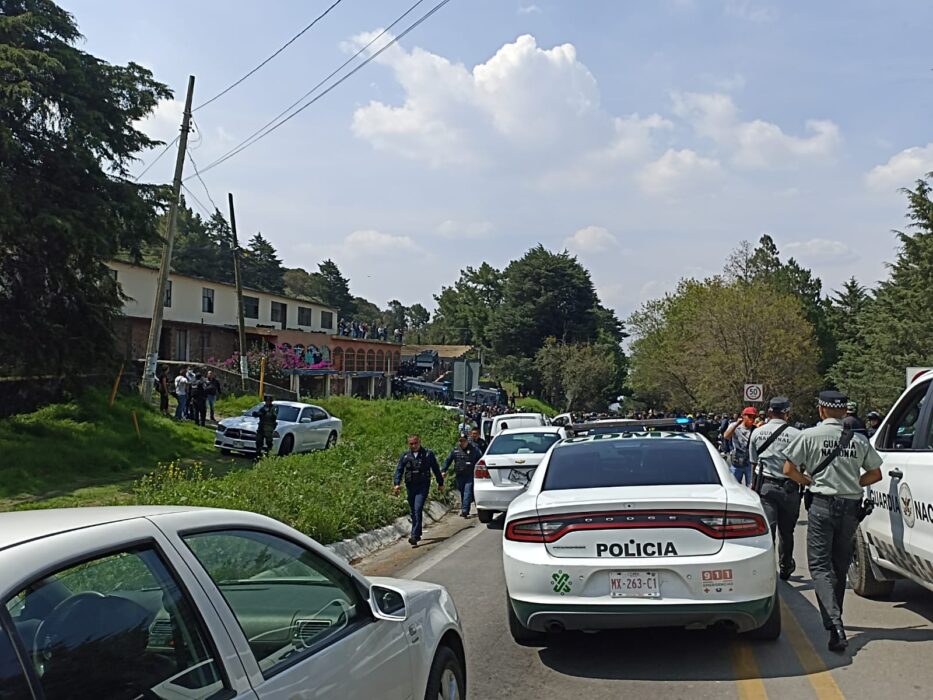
(727, 83)
(821, 250)
(751, 10)
(678, 171)
(754, 144)
(164, 123)
(592, 239)
(901, 169)
(372, 243)
(528, 9)
(465, 229)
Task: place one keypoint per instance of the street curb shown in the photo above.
(369, 542)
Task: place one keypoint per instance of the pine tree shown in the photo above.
(262, 268)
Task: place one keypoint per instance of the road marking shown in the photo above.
(749, 682)
(821, 679)
(441, 554)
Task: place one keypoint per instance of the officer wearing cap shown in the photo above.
(852, 421)
(836, 465)
(415, 466)
(464, 457)
(779, 495)
(740, 434)
(874, 420)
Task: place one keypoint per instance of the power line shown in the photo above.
(197, 201)
(203, 184)
(269, 128)
(157, 158)
(276, 53)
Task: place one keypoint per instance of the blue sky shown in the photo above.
(646, 136)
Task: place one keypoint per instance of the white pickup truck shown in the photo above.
(896, 540)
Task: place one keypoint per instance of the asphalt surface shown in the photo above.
(890, 656)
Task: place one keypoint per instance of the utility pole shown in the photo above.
(239, 294)
(155, 328)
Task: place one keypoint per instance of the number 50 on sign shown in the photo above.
(754, 392)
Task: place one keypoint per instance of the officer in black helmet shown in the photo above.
(416, 467)
(874, 421)
(268, 416)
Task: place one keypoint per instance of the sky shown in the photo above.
(646, 137)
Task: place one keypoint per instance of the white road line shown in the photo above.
(435, 558)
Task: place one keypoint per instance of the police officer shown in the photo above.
(874, 420)
(477, 440)
(265, 432)
(779, 495)
(464, 457)
(416, 467)
(852, 421)
(740, 433)
(836, 465)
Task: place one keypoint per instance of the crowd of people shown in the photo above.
(367, 331)
(195, 394)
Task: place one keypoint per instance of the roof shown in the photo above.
(23, 526)
(446, 351)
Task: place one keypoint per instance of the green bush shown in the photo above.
(328, 495)
(536, 406)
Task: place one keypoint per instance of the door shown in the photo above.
(918, 490)
(181, 344)
(320, 426)
(307, 623)
(903, 443)
(304, 431)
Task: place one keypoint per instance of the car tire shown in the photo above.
(521, 634)
(861, 575)
(484, 516)
(288, 444)
(331, 440)
(447, 679)
(771, 629)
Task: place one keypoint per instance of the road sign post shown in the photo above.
(754, 393)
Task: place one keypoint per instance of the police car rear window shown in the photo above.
(630, 462)
(522, 443)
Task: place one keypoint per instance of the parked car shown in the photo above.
(896, 540)
(508, 465)
(638, 530)
(301, 427)
(185, 603)
(518, 420)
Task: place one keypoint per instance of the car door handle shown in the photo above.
(896, 474)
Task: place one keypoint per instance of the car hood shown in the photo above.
(241, 422)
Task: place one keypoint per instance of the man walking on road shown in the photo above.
(780, 496)
(464, 457)
(740, 433)
(836, 464)
(265, 432)
(477, 440)
(416, 467)
(181, 394)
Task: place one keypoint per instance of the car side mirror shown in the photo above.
(388, 603)
(307, 419)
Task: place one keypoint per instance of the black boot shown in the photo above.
(787, 571)
(837, 639)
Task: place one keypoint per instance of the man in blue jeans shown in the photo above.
(740, 433)
(416, 467)
(464, 457)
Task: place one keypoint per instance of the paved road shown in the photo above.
(890, 655)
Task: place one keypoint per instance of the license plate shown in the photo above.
(520, 476)
(634, 584)
(239, 443)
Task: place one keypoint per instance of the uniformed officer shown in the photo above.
(852, 421)
(477, 440)
(464, 457)
(265, 432)
(836, 465)
(874, 420)
(779, 495)
(416, 467)
(740, 433)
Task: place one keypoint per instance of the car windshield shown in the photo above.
(522, 443)
(285, 414)
(630, 462)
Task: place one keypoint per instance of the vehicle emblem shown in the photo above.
(561, 582)
(519, 461)
(907, 505)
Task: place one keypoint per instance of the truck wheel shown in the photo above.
(521, 634)
(771, 629)
(861, 575)
(484, 516)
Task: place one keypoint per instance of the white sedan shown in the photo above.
(507, 467)
(183, 603)
(300, 427)
(638, 530)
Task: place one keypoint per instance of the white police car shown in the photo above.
(638, 529)
(896, 539)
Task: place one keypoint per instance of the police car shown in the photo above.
(896, 539)
(638, 529)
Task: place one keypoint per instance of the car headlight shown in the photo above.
(221, 429)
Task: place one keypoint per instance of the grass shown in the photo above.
(536, 406)
(328, 495)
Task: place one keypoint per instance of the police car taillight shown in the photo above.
(534, 530)
(481, 472)
(733, 524)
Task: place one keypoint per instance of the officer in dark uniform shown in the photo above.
(416, 467)
(464, 457)
(852, 421)
(874, 420)
(265, 432)
(477, 440)
(779, 495)
(836, 465)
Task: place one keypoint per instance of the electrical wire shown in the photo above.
(276, 53)
(203, 184)
(272, 126)
(197, 201)
(157, 158)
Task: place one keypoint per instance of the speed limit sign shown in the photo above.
(754, 392)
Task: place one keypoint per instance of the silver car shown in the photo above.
(301, 427)
(177, 603)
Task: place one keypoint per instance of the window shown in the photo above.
(523, 443)
(327, 320)
(902, 423)
(306, 415)
(12, 679)
(207, 300)
(289, 602)
(168, 294)
(116, 627)
(317, 414)
(617, 461)
(250, 307)
(305, 316)
(279, 311)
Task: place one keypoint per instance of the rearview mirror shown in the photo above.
(388, 603)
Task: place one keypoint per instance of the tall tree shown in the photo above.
(203, 248)
(418, 316)
(465, 310)
(262, 268)
(67, 205)
(298, 282)
(331, 287)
